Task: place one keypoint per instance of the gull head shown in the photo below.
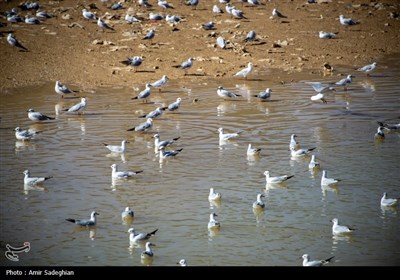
(131, 230)
(31, 110)
(335, 221)
(221, 130)
(156, 135)
(305, 257)
(17, 129)
(26, 172)
(114, 166)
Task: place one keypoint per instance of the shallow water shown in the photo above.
(171, 195)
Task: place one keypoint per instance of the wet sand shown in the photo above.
(71, 49)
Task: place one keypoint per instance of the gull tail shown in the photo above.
(176, 139)
(48, 177)
(105, 144)
(153, 232)
(136, 97)
(140, 171)
(312, 149)
(176, 66)
(288, 177)
(71, 220)
(131, 129)
(328, 260)
(126, 62)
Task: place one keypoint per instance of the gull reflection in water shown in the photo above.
(225, 107)
(91, 230)
(259, 213)
(28, 188)
(213, 232)
(21, 146)
(215, 204)
(332, 188)
(114, 155)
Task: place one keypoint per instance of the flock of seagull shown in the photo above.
(160, 145)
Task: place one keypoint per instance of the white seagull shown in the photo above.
(276, 179)
(214, 196)
(14, 42)
(134, 61)
(168, 154)
(30, 181)
(379, 133)
(326, 35)
(135, 237)
(367, 68)
(293, 142)
(88, 15)
(346, 21)
(300, 152)
(115, 174)
(264, 95)
(319, 96)
(144, 93)
(227, 136)
(160, 83)
(37, 116)
(79, 107)
(259, 204)
(213, 224)
(186, 65)
(143, 126)
(307, 262)
(85, 223)
(320, 87)
(103, 25)
(148, 253)
(276, 13)
(388, 202)
(338, 229)
(127, 213)
(62, 89)
(153, 114)
(253, 151)
(221, 42)
(245, 72)
(390, 127)
(116, 148)
(313, 163)
(174, 105)
(158, 143)
(224, 93)
(328, 181)
(21, 134)
(345, 81)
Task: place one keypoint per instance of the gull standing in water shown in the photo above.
(345, 81)
(186, 65)
(85, 223)
(259, 204)
(144, 93)
(115, 174)
(328, 181)
(253, 151)
(277, 179)
(245, 72)
(308, 262)
(154, 114)
(224, 93)
(227, 136)
(143, 126)
(30, 181)
(37, 116)
(135, 237)
(79, 107)
(117, 149)
(380, 134)
(388, 202)
(264, 95)
(14, 42)
(21, 134)
(160, 83)
(62, 89)
(367, 68)
(338, 229)
(158, 144)
(174, 105)
(213, 224)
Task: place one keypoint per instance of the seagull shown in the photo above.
(328, 181)
(264, 95)
(277, 179)
(213, 224)
(116, 6)
(161, 82)
(117, 149)
(122, 174)
(237, 13)
(307, 262)
(326, 35)
(168, 154)
(30, 181)
(346, 21)
(244, 72)
(367, 68)
(259, 203)
(78, 107)
(153, 114)
(208, 25)
(42, 14)
(338, 230)
(135, 237)
(173, 18)
(320, 87)
(88, 15)
(276, 13)
(131, 19)
(144, 93)
(148, 253)
(32, 20)
(103, 25)
(85, 223)
(174, 105)
(319, 96)
(150, 35)
(21, 134)
(221, 42)
(227, 136)
(253, 151)
(143, 126)
(217, 10)
(134, 61)
(192, 3)
(380, 134)
(182, 262)
(251, 36)
(224, 93)
(346, 81)
(37, 116)
(164, 4)
(144, 3)
(185, 65)
(389, 126)
(62, 89)
(214, 196)
(293, 142)
(300, 152)
(154, 16)
(158, 144)
(388, 202)
(127, 214)
(313, 164)
(14, 42)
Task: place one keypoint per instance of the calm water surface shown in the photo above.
(171, 195)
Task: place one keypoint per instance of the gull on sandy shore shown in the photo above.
(338, 229)
(346, 21)
(221, 42)
(14, 42)
(276, 179)
(134, 61)
(85, 223)
(21, 134)
(221, 92)
(160, 83)
(116, 148)
(193, 3)
(326, 35)
(165, 5)
(37, 116)
(143, 126)
(264, 95)
(150, 35)
(186, 65)
(30, 181)
(32, 20)
(155, 16)
(367, 68)
(115, 174)
(217, 10)
(325, 181)
(251, 36)
(308, 262)
(245, 72)
(208, 25)
(388, 202)
(276, 13)
(259, 204)
(79, 107)
(103, 25)
(88, 15)
(131, 19)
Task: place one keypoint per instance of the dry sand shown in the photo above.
(75, 51)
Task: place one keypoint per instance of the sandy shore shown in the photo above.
(74, 50)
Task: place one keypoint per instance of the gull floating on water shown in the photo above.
(338, 229)
(308, 262)
(388, 202)
(30, 181)
(182, 262)
(14, 42)
(367, 68)
(144, 93)
(328, 181)
(264, 95)
(389, 127)
(37, 116)
(213, 223)
(158, 144)
(245, 72)
(380, 134)
(21, 134)
(214, 196)
(326, 35)
(135, 237)
(259, 203)
(85, 223)
(346, 21)
(293, 142)
(224, 93)
(115, 174)
(253, 151)
(276, 179)
(168, 154)
(116, 148)
(62, 89)
(300, 152)
(174, 105)
(227, 136)
(313, 163)
(148, 253)
(77, 107)
(127, 213)
(143, 126)
(186, 65)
